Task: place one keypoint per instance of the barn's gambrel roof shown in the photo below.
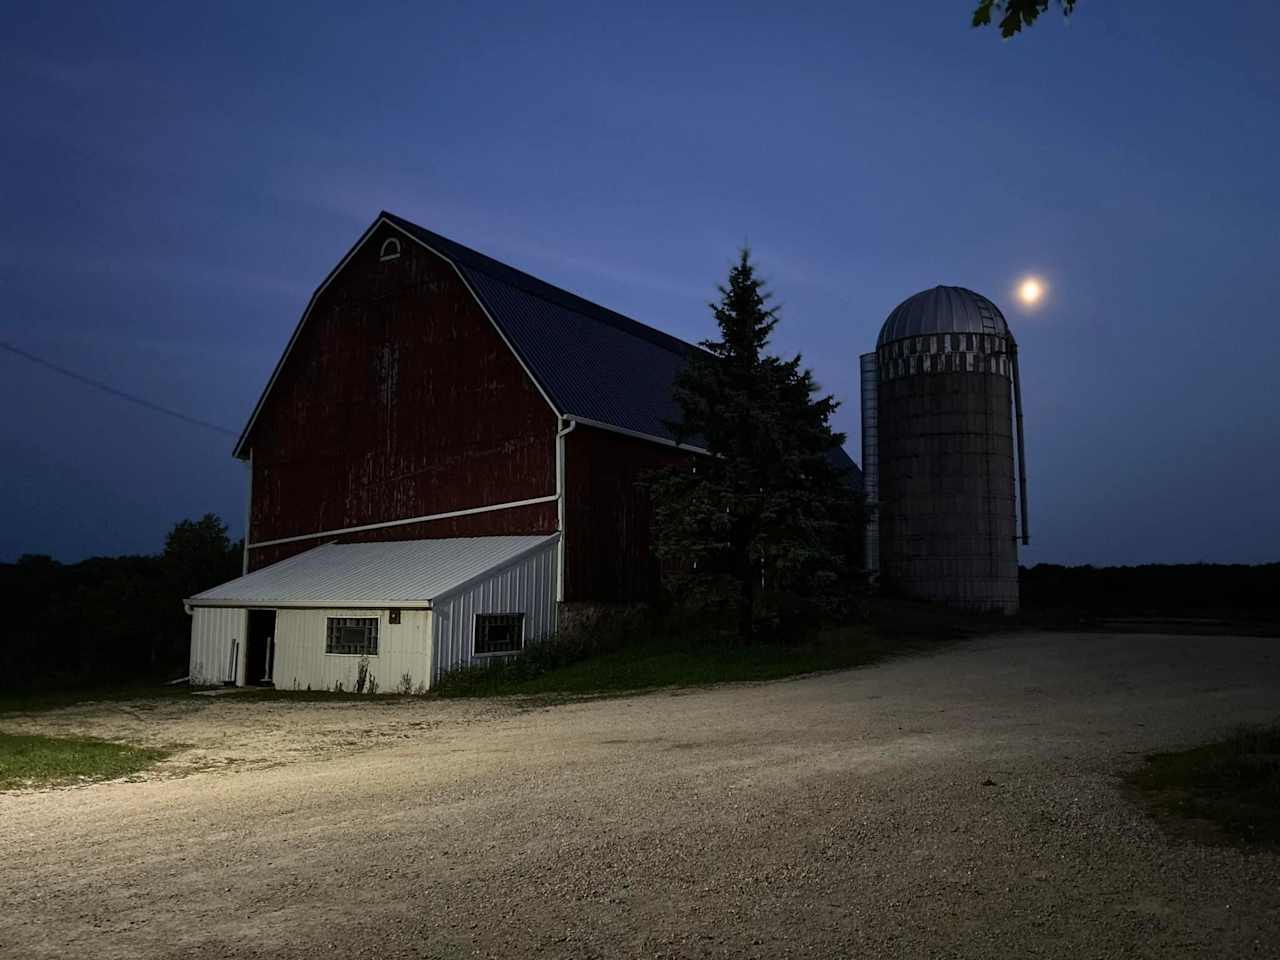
(592, 364)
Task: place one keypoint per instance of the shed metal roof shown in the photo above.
(401, 573)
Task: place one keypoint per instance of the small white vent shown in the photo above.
(390, 249)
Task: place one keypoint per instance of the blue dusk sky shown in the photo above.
(178, 178)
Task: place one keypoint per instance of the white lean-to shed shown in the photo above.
(398, 613)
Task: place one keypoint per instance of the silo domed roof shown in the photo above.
(943, 310)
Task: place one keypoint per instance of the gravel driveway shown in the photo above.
(965, 804)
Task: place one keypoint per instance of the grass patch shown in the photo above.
(37, 761)
(659, 664)
(288, 695)
(148, 697)
(1226, 790)
(30, 701)
(626, 650)
(633, 652)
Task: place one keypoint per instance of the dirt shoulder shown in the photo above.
(238, 731)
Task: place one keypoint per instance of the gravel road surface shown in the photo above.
(964, 804)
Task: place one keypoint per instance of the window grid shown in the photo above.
(355, 636)
(498, 633)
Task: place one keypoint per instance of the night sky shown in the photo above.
(177, 181)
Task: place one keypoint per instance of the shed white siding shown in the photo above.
(439, 587)
(214, 631)
(526, 585)
(302, 664)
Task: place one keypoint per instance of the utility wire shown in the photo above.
(106, 388)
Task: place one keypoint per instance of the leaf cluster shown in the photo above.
(1015, 14)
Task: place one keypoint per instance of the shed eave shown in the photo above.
(319, 604)
(551, 542)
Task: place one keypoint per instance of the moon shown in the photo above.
(1030, 291)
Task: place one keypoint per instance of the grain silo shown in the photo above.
(938, 452)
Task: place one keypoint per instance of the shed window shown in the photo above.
(352, 635)
(499, 633)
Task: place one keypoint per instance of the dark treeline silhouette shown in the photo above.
(108, 620)
(1199, 590)
(119, 620)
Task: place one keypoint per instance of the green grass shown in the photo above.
(625, 651)
(288, 694)
(31, 701)
(145, 696)
(1226, 790)
(683, 662)
(37, 761)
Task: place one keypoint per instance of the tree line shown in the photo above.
(109, 620)
(1193, 590)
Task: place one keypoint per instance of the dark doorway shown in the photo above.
(260, 649)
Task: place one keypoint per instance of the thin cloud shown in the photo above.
(359, 196)
(165, 271)
(89, 77)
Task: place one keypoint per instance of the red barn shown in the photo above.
(431, 393)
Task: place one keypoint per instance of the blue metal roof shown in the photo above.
(592, 362)
(588, 368)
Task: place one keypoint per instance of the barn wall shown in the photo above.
(301, 663)
(526, 586)
(536, 519)
(608, 542)
(398, 399)
(213, 631)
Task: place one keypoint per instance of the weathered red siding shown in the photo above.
(399, 399)
(609, 555)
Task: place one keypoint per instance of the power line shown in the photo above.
(107, 388)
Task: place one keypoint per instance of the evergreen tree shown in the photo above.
(762, 526)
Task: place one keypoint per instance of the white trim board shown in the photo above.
(311, 604)
(665, 441)
(404, 522)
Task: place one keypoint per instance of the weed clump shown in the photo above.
(604, 633)
(1233, 784)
